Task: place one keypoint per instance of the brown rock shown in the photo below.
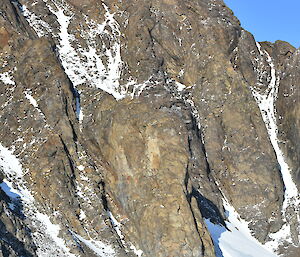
(160, 162)
(4, 37)
(288, 106)
(147, 155)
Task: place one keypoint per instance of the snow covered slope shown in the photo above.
(236, 239)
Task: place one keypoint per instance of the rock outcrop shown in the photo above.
(132, 128)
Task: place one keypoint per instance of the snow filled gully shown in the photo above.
(86, 65)
(92, 71)
(238, 241)
(234, 240)
(266, 102)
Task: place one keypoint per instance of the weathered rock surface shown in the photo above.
(138, 170)
(146, 150)
(288, 111)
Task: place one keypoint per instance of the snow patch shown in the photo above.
(116, 226)
(14, 198)
(137, 89)
(98, 247)
(180, 87)
(81, 194)
(137, 252)
(236, 240)
(82, 215)
(81, 167)
(41, 27)
(85, 65)
(6, 78)
(195, 113)
(53, 231)
(34, 103)
(8, 191)
(9, 163)
(31, 99)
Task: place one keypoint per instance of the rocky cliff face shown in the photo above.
(145, 128)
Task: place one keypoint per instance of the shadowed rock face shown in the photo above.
(141, 173)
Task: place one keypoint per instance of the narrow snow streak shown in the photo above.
(266, 102)
(97, 247)
(31, 99)
(117, 228)
(79, 111)
(34, 103)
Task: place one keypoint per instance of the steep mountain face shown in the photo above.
(145, 128)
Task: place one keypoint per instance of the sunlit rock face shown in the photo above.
(145, 128)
